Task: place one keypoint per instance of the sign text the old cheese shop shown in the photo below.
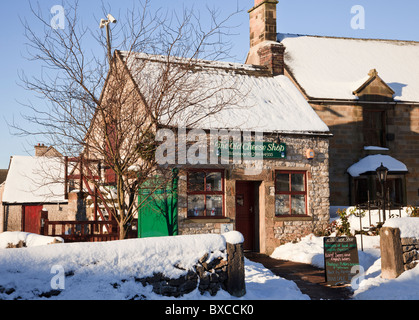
(270, 150)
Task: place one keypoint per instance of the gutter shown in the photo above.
(360, 102)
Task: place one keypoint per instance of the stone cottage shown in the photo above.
(365, 90)
(34, 189)
(278, 199)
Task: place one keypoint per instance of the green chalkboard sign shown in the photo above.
(340, 256)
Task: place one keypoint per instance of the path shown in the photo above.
(308, 278)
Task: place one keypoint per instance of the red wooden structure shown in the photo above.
(31, 218)
(80, 231)
(83, 177)
(103, 227)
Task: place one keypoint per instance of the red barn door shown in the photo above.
(32, 219)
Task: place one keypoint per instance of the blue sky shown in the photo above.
(383, 19)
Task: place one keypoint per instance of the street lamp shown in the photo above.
(105, 23)
(382, 178)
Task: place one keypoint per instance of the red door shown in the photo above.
(32, 219)
(245, 213)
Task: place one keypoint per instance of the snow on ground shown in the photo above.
(370, 285)
(107, 270)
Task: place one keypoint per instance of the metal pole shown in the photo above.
(108, 41)
(360, 227)
(369, 208)
(384, 200)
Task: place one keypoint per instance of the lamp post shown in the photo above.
(382, 178)
(105, 23)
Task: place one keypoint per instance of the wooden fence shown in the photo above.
(81, 231)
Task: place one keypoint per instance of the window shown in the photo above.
(290, 193)
(205, 193)
(374, 128)
(368, 187)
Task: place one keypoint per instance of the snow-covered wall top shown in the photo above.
(143, 256)
(332, 68)
(93, 267)
(30, 239)
(409, 227)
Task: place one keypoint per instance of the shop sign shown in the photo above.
(270, 150)
(340, 258)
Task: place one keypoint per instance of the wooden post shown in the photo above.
(66, 178)
(235, 285)
(81, 174)
(46, 227)
(95, 203)
(44, 217)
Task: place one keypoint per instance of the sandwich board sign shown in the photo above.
(340, 256)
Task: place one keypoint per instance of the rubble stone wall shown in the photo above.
(225, 271)
(397, 254)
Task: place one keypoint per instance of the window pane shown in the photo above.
(297, 182)
(196, 181)
(214, 206)
(298, 203)
(282, 204)
(282, 182)
(213, 181)
(196, 205)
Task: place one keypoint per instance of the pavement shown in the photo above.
(309, 279)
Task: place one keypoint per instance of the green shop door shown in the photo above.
(157, 213)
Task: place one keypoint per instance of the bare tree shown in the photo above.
(106, 110)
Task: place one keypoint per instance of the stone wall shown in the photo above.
(272, 230)
(347, 144)
(410, 249)
(225, 271)
(405, 146)
(397, 254)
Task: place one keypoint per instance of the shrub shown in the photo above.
(413, 211)
(344, 228)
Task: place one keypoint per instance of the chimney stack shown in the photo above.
(271, 55)
(40, 150)
(262, 22)
(265, 50)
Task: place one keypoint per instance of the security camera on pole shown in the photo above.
(105, 23)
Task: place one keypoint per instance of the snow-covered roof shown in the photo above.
(332, 68)
(372, 162)
(266, 103)
(35, 180)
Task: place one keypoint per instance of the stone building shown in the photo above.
(278, 198)
(34, 184)
(365, 90)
